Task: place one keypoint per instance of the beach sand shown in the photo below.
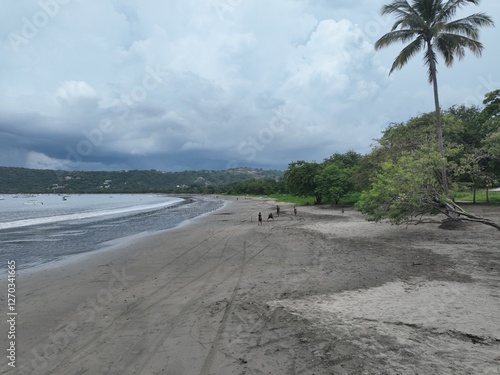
(323, 292)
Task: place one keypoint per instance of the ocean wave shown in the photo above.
(86, 215)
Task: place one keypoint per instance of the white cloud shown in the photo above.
(336, 57)
(38, 160)
(75, 90)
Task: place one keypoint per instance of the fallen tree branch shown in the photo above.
(455, 212)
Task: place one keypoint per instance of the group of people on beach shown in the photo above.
(271, 216)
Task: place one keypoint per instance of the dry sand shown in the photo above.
(323, 292)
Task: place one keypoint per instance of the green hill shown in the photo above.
(41, 181)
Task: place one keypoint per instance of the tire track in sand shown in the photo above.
(176, 319)
(139, 308)
(209, 360)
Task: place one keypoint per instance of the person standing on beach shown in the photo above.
(278, 211)
(259, 222)
(295, 210)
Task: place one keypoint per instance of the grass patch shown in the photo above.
(292, 199)
(350, 198)
(494, 197)
(279, 198)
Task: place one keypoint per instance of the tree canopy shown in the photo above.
(330, 180)
(404, 172)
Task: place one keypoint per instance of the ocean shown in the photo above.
(37, 230)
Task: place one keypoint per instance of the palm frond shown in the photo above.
(448, 47)
(398, 36)
(413, 21)
(407, 53)
(397, 7)
(450, 8)
(428, 9)
(454, 45)
(405, 15)
(469, 26)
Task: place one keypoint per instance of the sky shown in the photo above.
(211, 84)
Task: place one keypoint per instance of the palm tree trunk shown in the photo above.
(433, 71)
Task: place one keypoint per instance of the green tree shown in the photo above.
(408, 190)
(256, 186)
(475, 160)
(335, 179)
(491, 125)
(403, 188)
(428, 26)
(367, 170)
(491, 142)
(300, 180)
(404, 168)
(349, 159)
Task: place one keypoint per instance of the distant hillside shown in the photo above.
(24, 180)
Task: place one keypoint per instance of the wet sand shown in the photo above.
(323, 292)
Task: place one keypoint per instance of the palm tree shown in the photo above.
(428, 25)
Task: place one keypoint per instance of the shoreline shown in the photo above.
(113, 244)
(321, 292)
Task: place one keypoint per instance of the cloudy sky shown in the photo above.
(210, 84)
